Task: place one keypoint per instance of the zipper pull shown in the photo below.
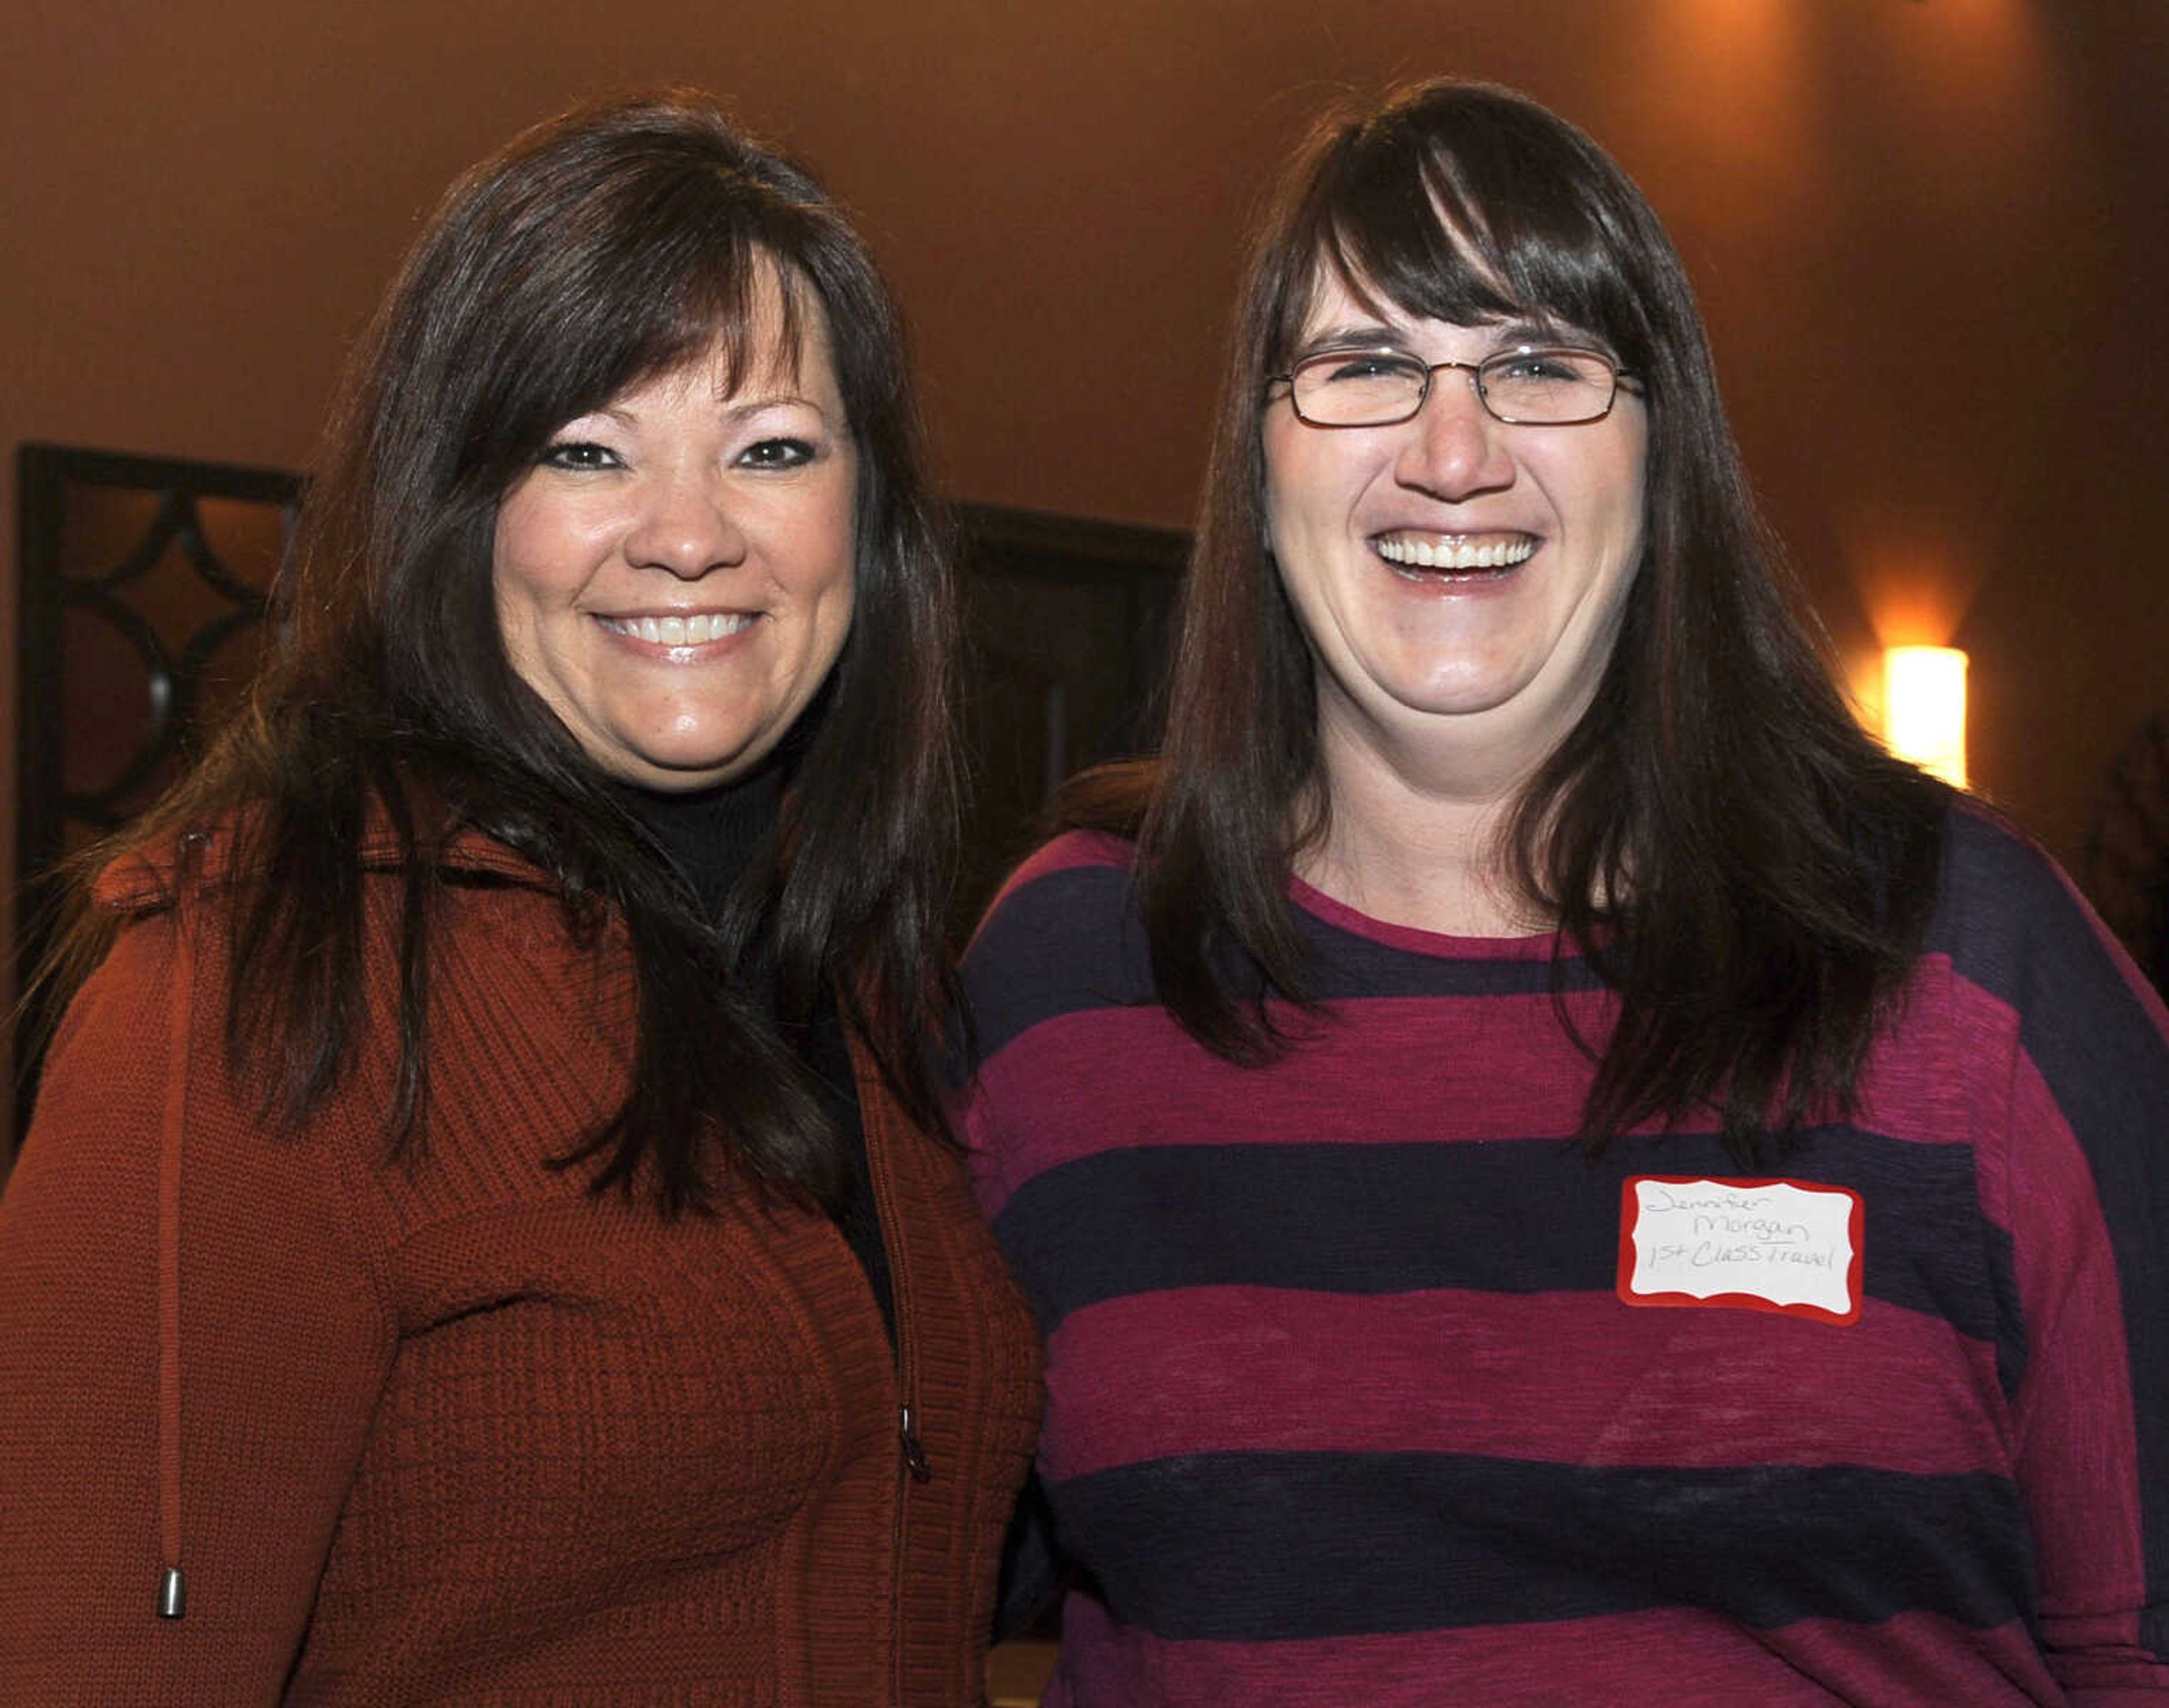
(915, 1452)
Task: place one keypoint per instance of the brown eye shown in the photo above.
(1362, 369)
(577, 453)
(776, 454)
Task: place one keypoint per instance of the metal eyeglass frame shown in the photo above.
(1620, 376)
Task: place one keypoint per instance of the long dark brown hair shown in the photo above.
(597, 250)
(1734, 858)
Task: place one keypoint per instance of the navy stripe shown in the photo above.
(1047, 951)
(1243, 1547)
(2014, 930)
(2012, 1351)
(1523, 1216)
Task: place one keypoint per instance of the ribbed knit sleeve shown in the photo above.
(282, 1349)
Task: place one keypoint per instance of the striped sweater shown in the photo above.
(1363, 1386)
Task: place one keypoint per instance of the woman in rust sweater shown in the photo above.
(486, 1233)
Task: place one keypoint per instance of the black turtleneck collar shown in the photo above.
(711, 834)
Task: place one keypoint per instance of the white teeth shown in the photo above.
(678, 631)
(1449, 553)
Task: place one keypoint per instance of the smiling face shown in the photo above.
(674, 576)
(1460, 581)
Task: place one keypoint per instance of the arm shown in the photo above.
(282, 1347)
(2088, 1192)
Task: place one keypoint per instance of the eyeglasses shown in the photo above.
(1524, 387)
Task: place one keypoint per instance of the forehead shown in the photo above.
(1441, 248)
(777, 343)
(1338, 313)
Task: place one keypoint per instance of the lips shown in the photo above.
(695, 630)
(1454, 552)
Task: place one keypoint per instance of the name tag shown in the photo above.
(1741, 1245)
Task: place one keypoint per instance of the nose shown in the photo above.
(684, 525)
(1455, 447)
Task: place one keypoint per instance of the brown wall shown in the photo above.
(1929, 235)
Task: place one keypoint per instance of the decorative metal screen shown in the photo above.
(143, 582)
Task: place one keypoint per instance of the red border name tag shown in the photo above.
(1697, 1241)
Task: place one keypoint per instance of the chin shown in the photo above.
(1460, 697)
(672, 776)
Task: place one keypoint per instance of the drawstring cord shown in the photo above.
(173, 1586)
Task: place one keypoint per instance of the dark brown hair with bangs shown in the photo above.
(1738, 861)
(598, 249)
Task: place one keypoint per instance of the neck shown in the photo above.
(1412, 832)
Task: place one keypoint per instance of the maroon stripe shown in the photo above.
(1952, 1089)
(1673, 1656)
(1442, 945)
(1116, 1077)
(1066, 853)
(1108, 1078)
(1576, 1379)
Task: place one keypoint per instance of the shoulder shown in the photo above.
(1081, 872)
(1073, 850)
(2008, 921)
(1989, 861)
(513, 988)
(2014, 945)
(210, 863)
(183, 899)
(1063, 934)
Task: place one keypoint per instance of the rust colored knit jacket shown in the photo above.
(463, 1430)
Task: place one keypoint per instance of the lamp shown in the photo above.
(1924, 709)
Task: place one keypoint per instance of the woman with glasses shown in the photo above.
(487, 1234)
(1552, 1169)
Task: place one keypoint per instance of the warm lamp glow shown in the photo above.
(1924, 708)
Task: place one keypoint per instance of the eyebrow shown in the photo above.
(731, 410)
(1353, 335)
(1545, 329)
(739, 409)
(1376, 335)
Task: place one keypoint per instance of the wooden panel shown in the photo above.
(2127, 850)
(1067, 623)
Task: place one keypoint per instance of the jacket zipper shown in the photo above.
(913, 1465)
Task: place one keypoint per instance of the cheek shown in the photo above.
(825, 547)
(547, 545)
(539, 557)
(839, 626)
(1313, 485)
(1289, 515)
(525, 516)
(1283, 479)
(1631, 483)
(1626, 522)
(512, 584)
(1598, 494)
